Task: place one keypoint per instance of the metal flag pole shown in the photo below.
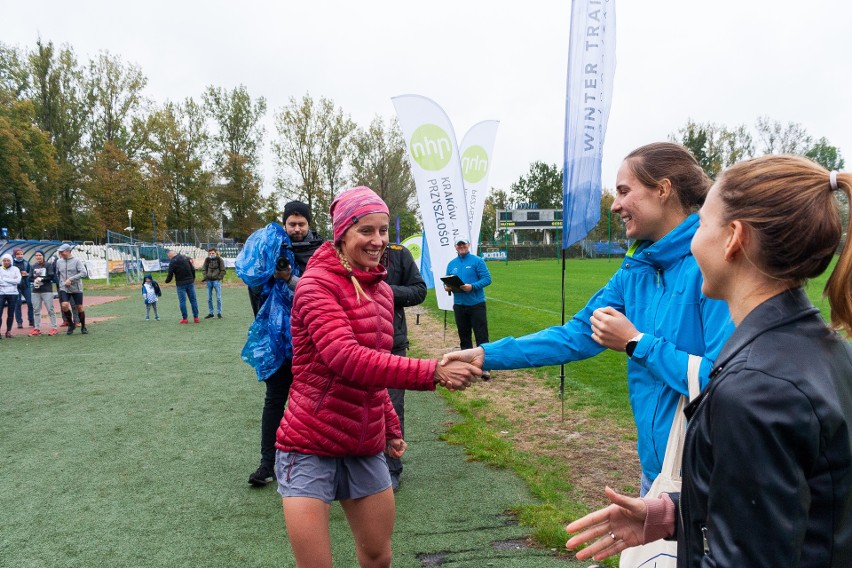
(445, 328)
(562, 366)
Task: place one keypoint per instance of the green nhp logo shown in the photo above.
(474, 164)
(412, 243)
(431, 147)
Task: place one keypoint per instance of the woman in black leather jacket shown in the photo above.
(767, 463)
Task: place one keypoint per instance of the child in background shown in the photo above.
(151, 295)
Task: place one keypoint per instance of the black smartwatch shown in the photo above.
(630, 347)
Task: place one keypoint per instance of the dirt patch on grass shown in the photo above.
(595, 451)
(45, 321)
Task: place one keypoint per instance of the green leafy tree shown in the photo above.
(311, 150)
(27, 173)
(542, 186)
(14, 76)
(241, 194)
(826, 155)
(271, 210)
(380, 161)
(114, 97)
(497, 199)
(409, 224)
(57, 92)
(180, 188)
(715, 147)
(115, 184)
(778, 138)
(236, 143)
(609, 226)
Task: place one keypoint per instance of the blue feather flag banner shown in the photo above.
(591, 69)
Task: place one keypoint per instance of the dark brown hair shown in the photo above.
(795, 214)
(653, 163)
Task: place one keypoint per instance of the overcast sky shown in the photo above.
(725, 61)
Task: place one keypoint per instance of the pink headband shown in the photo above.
(351, 205)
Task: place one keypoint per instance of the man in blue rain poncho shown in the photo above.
(270, 264)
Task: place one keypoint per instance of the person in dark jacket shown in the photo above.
(213, 271)
(42, 276)
(24, 289)
(181, 269)
(303, 243)
(409, 289)
(767, 460)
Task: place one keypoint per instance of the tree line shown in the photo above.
(81, 144)
(715, 146)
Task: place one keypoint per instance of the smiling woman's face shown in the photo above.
(365, 241)
(639, 206)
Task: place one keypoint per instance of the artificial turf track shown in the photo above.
(131, 447)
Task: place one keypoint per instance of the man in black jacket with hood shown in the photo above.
(409, 289)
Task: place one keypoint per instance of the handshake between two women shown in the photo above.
(459, 369)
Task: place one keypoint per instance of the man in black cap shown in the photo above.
(303, 242)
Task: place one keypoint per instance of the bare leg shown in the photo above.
(371, 520)
(307, 520)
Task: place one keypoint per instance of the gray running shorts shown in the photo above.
(330, 478)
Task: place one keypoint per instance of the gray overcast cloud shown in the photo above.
(724, 61)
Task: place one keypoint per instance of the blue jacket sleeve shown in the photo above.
(667, 363)
(483, 276)
(558, 344)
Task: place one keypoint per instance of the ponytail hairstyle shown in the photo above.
(359, 291)
(652, 163)
(791, 204)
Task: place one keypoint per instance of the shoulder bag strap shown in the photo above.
(674, 447)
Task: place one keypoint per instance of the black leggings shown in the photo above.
(9, 300)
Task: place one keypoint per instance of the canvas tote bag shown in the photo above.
(663, 553)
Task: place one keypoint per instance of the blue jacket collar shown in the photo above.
(669, 250)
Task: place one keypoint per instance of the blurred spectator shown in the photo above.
(42, 275)
(10, 277)
(69, 274)
(24, 290)
(213, 271)
(181, 269)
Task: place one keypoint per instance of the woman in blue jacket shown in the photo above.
(767, 458)
(652, 308)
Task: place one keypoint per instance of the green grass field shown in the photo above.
(131, 446)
